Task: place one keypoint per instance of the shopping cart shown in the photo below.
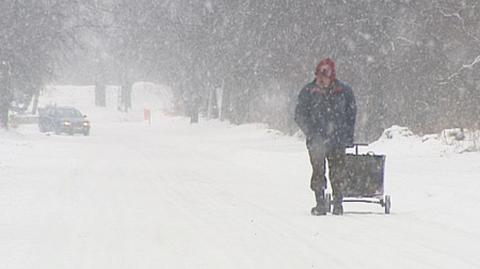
(364, 180)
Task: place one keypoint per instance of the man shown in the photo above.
(326, 114)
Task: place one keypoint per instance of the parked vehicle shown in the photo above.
(62, 119)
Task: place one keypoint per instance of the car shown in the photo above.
(63, 119)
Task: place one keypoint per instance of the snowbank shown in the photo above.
(449, 141)
(396, 132)
(460, 140)
(10, 135)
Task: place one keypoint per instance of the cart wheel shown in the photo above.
(328, 202)
(388, 204)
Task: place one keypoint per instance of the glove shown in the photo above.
(349, 145)
(349, 142)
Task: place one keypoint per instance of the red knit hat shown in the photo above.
(327, 68)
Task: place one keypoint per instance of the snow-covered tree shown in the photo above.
(34, 35)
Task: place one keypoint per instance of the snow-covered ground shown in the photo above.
(213, 195)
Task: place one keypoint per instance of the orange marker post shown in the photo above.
(147, 115)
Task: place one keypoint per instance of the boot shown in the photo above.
(320, 209)
(337, 206)
(337, 209)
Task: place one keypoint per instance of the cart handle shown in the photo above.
(359, 144)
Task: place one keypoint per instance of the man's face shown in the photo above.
(323, 75)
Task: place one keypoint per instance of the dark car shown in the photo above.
(62, 119)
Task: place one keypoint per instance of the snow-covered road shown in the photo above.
(175, 195)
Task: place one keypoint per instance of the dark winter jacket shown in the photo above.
(327, 114)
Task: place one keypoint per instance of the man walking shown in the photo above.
(326, 114)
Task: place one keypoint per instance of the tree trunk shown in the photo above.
(5, 99)
(210, 103)
(100, 94)
(35, 102)
(194, 107)
(225, 103)
(212, 109)
(4, 96)
(194, 115)
(3, 113)
(126, 96)
(219, 99)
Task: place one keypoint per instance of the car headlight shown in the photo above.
(67, 123)
(86, 123)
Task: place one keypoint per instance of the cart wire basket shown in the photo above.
(364, 179)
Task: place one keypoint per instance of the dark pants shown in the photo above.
(319, 153)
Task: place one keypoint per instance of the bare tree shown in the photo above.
(413, 63)
(33, 37)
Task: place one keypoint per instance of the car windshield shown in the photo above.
(68, 112)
